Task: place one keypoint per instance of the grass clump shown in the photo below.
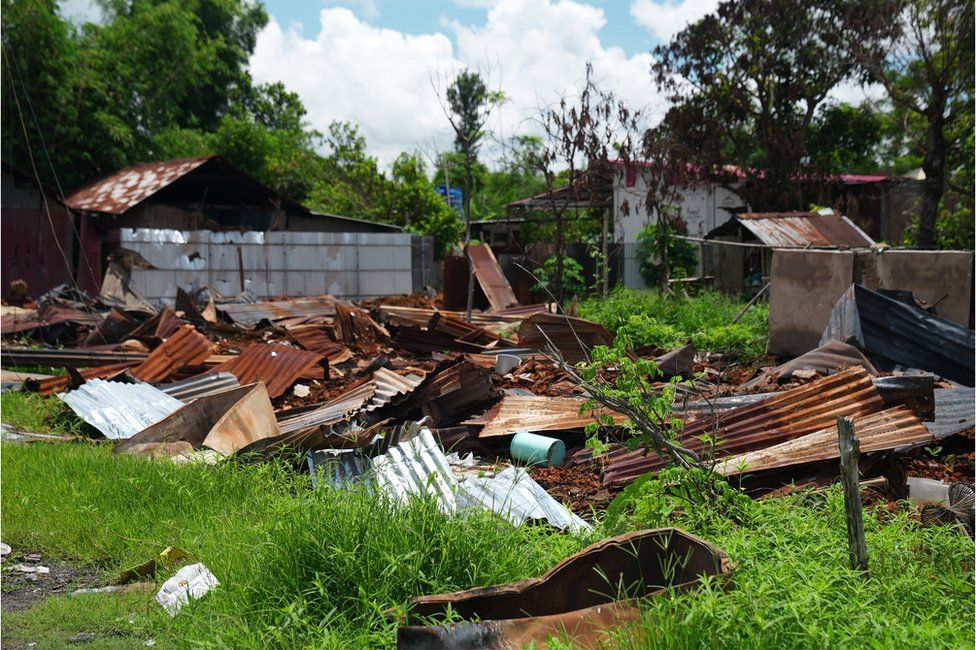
(38, 414)
(302, 566)
(792, 587)
(648, 318)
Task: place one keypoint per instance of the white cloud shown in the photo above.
(380, 78)
(664, 19)
(366, 8)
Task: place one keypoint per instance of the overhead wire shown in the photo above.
(83, 254)
(47, 208)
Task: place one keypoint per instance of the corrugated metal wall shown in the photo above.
(351, 265)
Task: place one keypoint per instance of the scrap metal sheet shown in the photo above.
(187, 347)
(490, 277)
(278, 366)
(117, 409)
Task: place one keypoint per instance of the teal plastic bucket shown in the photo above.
(534, 449)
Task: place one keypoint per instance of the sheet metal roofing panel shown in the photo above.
(516, 497)
(778, 418)
(389, 386)
(251, 313)
(187, 347)
(889, 429)
(335, 410)
(67, 358)
(799, 229)
(336, 466)
(523, 413)
(278, 366)
(117, 409)
(491, 278)
(415, 467)
(955, 411)
(128, 187)
(187, 390)
(893, 333)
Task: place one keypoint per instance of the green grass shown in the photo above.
(319, 567)
(647, 318)
(297, 565)
(37, 414)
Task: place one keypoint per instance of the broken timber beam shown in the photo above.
(850, 450)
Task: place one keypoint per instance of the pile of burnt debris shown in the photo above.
(485, 411)
(347, 384)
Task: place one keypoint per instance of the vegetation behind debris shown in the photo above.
(648, 318)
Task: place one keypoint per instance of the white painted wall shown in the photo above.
(703, 206)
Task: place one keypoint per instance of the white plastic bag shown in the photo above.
(192, 581)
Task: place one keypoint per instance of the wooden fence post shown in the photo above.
(850, 450)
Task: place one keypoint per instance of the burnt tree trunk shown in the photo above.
(934, 184)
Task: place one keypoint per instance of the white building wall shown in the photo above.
(703, 207)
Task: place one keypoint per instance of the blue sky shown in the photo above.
(423, 16)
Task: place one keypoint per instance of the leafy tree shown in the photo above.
(746, 83)
(845, 138)
(926, 65)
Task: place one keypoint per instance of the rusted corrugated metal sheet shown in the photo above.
(569, 335)
(129, 187)
(59, 383)
(225, 422)
(250, 313)
(452, 390)
(490, 277)
(66, 358)
(50, 315)
(893, 333)
(278, 366)
(826, 359)
(357, 329)
(421, 316)
(574, 599)
(889, 429)
(314, 338)
(186, 347)
(799, 229)
(389, 387)
(523, 413)
(778, 418)
(335, 410)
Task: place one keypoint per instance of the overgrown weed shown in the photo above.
(648, 318)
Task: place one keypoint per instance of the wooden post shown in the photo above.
(850, 450)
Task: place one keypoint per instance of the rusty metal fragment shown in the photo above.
(224, 422)
(186, 347)
(278, 366)
(490, 277)
(524, 413)
(573, 337)
(893, 428)
(581, 598)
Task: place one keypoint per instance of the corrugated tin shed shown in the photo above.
(797, 229)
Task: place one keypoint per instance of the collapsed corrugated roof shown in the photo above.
(893, 333)
(797, 229)
(278, 366)
(778, 418)
(889, 429)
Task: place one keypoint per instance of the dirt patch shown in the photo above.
(23, 582)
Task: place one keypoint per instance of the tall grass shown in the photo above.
(648, 318)
(301, 566)
(297, 565)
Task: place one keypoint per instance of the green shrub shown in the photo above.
(682, 255)
(647, 318)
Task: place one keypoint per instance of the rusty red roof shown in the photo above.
(799, 229)
(126, 188)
